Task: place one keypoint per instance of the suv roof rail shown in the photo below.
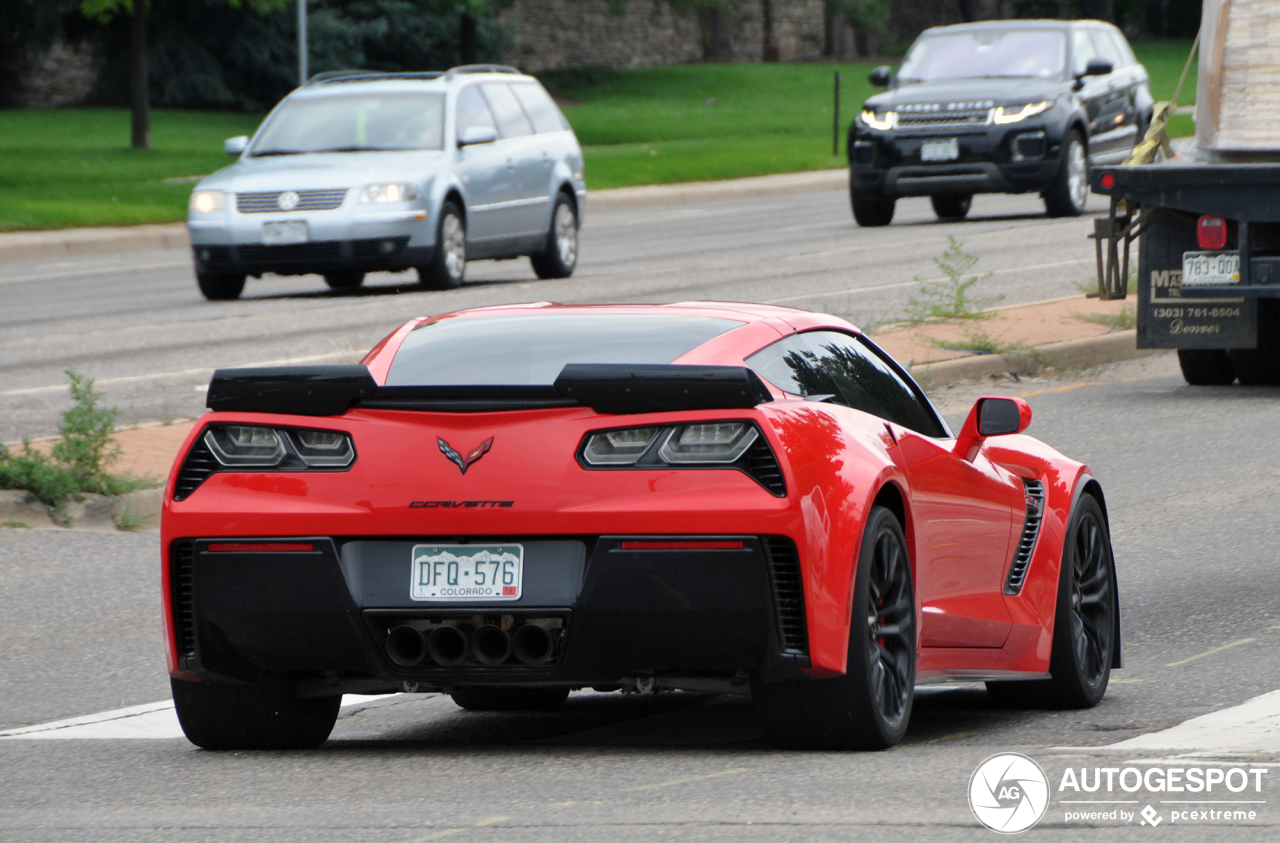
(334, 76)
(481, 68)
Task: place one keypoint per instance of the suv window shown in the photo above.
(851, 370)
(1082, 49)
(541, 110)
(473, 111)
(512, 121)
(1107, 48)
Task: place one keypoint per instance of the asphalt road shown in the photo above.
(137, 323)
(1192, 483)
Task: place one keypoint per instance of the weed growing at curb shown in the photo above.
(1125, 318)
(951, 297)
(16, 525)
(79, 461)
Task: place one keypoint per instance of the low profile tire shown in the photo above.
(220, 286)
(1069, 192)
(952, 207)
(1202, 367)
(871, 210)
(262, 716)
(869, 707)
(560, 254)
(448, 264)
(344, 280)
(1085, 624)
(490, 698)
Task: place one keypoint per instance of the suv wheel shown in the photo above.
(1067, 196)
(871, 210)
(952, 207)
(220, 287)
(449, 262)
(560, 254)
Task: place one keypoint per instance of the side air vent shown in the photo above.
(181, 576)
(788, 594)
(195, 470)
(762, 465)
(1034, 491)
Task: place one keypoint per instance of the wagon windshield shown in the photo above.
(1036, 53)
(531, 350)
(365, 123)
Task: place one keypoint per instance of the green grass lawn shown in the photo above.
(73, 167)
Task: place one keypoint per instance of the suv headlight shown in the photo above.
(207, 201)
(875, 121)
(1006, 114)
(384, 193)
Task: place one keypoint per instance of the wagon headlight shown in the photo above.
(386, 193)
(207, 201)
(875, 121)
(1006, 114)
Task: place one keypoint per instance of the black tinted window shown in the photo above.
(473, 111)
(541, 110)
(531, 350)
(848, 368)
(512, 121)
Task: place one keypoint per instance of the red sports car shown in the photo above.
(505, 504)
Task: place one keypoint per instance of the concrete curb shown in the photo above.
(138, 510)
(37, 245)
(1070, 354)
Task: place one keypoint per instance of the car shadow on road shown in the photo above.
(376, 290)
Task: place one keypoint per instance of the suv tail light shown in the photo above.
(1211, 232)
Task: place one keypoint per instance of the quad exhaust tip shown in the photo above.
(406, 646)
(532, 645)
(491, 645)
(447, 646)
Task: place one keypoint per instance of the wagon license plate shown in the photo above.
(940, 150)
(284, 233)
(466, 572)
(1210, 269)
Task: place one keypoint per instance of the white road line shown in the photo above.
(1251, 727)
(284, 361)
(150, 721)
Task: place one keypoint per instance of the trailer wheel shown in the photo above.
(1202, 367)
(1261, 366)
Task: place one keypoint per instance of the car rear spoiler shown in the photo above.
(615, 389)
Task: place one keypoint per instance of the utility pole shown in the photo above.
(139, 94)
(302, 42)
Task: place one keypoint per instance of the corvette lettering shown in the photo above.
(461, 504)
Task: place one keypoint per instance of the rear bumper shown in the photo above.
(614, 613)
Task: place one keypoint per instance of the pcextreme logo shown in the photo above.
(1009, 793)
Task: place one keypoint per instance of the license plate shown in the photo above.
(284, 233)
(941, 150)
(462, 572)
(1210, 269)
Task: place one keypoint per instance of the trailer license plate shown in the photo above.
(1210, 269)
(940, 150)
(463, 572)
(284, 233)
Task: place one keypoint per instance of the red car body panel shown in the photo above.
(962, 517)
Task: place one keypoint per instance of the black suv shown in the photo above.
(998, 107)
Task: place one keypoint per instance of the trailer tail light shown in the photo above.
(1211, 232)
(1108, 181)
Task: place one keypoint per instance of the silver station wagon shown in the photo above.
(358, 171)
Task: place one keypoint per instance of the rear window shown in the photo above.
(531, 350)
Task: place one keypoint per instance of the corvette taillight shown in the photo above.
(255, 447)
(707, 443)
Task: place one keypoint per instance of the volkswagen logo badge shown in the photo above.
(288, 200)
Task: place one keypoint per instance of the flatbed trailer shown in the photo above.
(1226, 325)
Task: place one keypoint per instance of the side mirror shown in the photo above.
(477, 134)
(881, 76)
(1098, 66)
(991, 417)
(236, 146)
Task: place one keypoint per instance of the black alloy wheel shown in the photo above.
(868, 707)
(220, 286)
(344, 280)
(1086, 623)
(1206, 367)
(1068, 194)
(952, 206)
